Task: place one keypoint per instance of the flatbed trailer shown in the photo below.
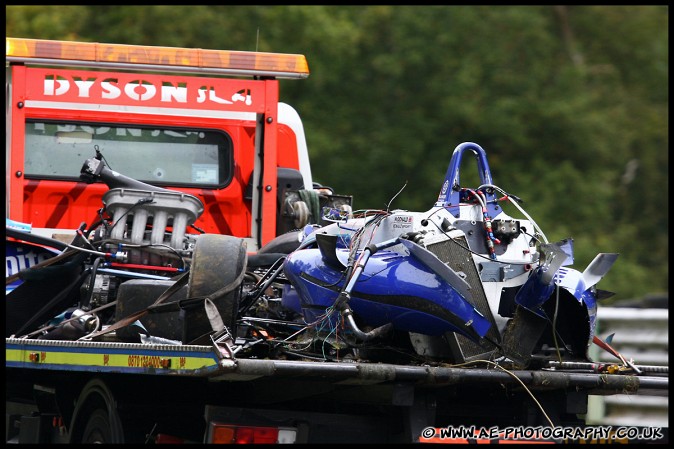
(197, 388)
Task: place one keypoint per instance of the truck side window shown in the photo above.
(163, 156)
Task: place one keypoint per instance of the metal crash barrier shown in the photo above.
(642, 335)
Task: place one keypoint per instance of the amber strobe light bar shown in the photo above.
(189, 60)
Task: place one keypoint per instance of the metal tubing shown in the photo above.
(437, 376)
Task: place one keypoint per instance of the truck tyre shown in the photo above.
(217, 261)
(98, 429)
(96, 419)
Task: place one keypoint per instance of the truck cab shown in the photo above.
(208, 123)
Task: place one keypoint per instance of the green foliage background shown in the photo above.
(570, 103)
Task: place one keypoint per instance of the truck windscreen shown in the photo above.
(162, 156)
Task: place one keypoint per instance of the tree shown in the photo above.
(570, 103)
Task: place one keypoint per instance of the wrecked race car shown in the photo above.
(459, 282)
(463, 280)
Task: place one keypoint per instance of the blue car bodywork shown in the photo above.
(463, 271)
